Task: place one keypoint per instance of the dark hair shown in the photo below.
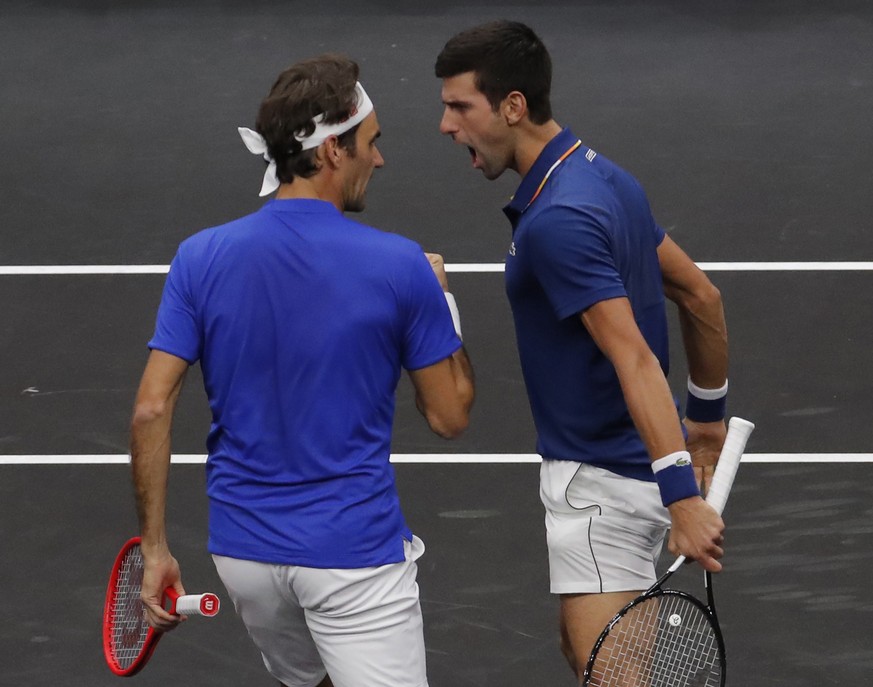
(505, 56)
(320, 85)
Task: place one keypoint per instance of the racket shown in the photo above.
(666, 637)
(128, 641)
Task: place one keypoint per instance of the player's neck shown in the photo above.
(317, 187)
(531, 143)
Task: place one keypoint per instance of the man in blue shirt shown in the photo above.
(302, 321)
(586, 276)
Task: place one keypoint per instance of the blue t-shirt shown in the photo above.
(302, 320)
(587, 236)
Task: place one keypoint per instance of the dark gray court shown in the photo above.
(748, 124)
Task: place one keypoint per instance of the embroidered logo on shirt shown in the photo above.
(590, 155)
(512, 248)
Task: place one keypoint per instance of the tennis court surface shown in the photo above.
(747, 125)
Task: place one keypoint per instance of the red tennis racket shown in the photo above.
(128, 641)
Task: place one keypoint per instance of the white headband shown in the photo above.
(258, 146)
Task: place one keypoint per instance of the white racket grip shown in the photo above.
(728, 462)
(206, 605)
(725, 470)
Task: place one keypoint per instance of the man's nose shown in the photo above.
(447, 123)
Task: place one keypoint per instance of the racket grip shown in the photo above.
(728, 462)
(725, 470)
(206, 604)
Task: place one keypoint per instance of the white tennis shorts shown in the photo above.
(604, 532)
(363, 626)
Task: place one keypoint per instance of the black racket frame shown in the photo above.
(657, 590)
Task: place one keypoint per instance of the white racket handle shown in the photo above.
(728, 462)
(206, 605)
(726, 469)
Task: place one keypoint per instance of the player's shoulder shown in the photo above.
(235, 228)
(382, 239)
(208, 238)
(599, 172)
(594, 184)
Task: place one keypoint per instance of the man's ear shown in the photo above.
(332, 151)
(514, 108)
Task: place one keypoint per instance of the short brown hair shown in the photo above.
(505, 56)
(320, 85)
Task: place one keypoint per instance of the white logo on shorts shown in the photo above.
(512, 248)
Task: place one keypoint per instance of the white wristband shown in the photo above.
(456, 316)
(680, 458)
(707, 394)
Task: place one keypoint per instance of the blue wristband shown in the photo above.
(675, 477)
(705, 405)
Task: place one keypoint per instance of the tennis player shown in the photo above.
(586, 275)
(302, 321)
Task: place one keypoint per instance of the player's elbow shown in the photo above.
(449, 425)
(147, 412)
(450, 420)
(709, 296)
(704, 298)
(444, 396)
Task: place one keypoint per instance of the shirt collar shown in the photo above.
(531, 182)
(308, 205)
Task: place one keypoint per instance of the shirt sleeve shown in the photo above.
(176, 330)
(428, 333)
(572, 257)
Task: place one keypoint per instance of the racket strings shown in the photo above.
(129, 627)
(688, 653)
(665, 641)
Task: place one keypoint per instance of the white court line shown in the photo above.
(16, 270)
(20, 270)
(785, 266)
(425, 458)
(832, 266)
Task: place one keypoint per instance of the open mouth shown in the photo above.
(473, 156)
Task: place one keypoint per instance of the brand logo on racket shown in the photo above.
(675, 620)
(209, 605)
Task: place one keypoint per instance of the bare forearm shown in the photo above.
(651, 406)
(444, 394)
(462, 370)
(150, 430)
(704, 335)
(150, 463)
(646, 392)
(701, 315)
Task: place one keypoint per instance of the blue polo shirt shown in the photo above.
(585, 236)
(302, 320)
